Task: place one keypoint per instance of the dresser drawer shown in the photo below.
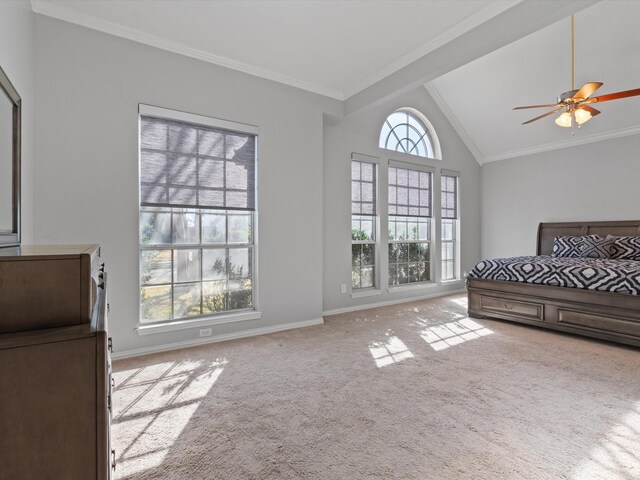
(598, 322)
(534, 311)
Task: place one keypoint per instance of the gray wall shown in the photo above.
(359, 133)
(88, 86)
(16, 59)
(596, 181)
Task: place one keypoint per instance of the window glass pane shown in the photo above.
(155, 303)
(356, 251)
(393, 252)
(155, 227)
(239, 263)
(186, 228)
(368, 254)
(239, 228)
(403, 252)
(367, 277)
(214, 297)
(425, 275)
(393, 275)
(239, 295)
(186, 300)
(155, 266)
(355, 278)
(447, 231)
(423, 231)
(213, 228)
(186, 265)
(214, 265)
(413, 273)
(402, 229)
(403, 273)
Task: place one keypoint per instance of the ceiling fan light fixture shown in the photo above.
(582, 116)
(564, 120)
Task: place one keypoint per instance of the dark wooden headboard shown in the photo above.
(548, 231)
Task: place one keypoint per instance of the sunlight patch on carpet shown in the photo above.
(389, 352)
(617, 457)
(441, 337)
(460, 301)
(152, 407)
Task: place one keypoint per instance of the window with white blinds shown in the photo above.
(195, 166)
(410, 211)
(409, 192)
(449, 224)
(449, 196)
(197, 217)
(363, 224)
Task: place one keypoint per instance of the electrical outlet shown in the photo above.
(343, 288)
(206, 332)
(464, 275)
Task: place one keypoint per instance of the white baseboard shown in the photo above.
(217, 338)
(396, 301)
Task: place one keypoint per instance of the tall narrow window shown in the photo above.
(363, 224)
(449, 226)
(197, 207)
(409, 225)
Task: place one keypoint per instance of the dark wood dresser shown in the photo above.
(55, 367)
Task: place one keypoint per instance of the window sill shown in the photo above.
(412, 287)
(454, 281)
(369, 292)
(198, 322)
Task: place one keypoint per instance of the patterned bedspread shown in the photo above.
(606, 275)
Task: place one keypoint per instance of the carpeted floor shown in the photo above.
(415, 391)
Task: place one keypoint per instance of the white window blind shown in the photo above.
(449, 196)
(409, 191)
(363, 188)
(194, 166)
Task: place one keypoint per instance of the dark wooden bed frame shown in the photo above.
(608, 316)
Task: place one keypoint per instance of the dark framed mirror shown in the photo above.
(10, 144)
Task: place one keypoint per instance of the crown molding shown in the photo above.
(59, 12)
(571, 142)
(66, 14)
(453, 120)
(493, 9)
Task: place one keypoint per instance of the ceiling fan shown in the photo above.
(577, 103)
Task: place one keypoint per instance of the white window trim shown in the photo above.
(159, 112)
(365, 292)
(174, 325)
(221, 318)
(412, 286)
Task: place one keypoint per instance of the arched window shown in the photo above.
(407, 131)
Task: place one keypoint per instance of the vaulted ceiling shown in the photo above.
(477, 58)
(478, 97)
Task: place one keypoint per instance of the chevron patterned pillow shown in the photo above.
(625, 248)
(597, 247)
(569, 246)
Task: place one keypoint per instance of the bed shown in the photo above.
(596, 298)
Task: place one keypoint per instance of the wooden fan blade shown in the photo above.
(589, 109)
(545, 115)
(587, 90)
(537, 106)
(617, 95)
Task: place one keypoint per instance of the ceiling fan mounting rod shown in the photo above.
(572, 55)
